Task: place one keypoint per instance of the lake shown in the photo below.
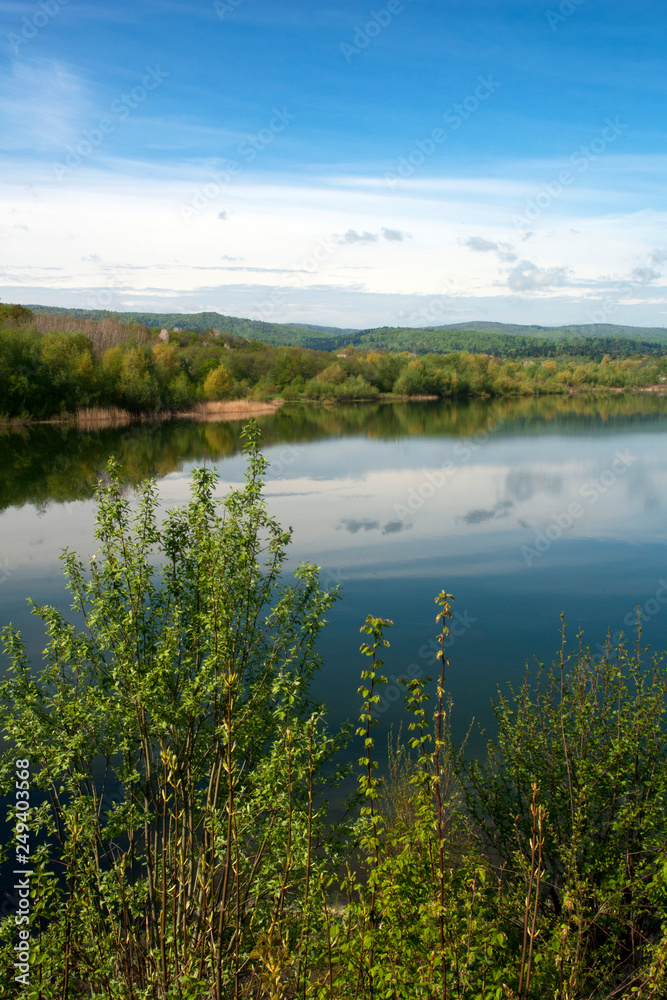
(523, 509)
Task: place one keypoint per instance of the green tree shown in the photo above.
(22, 388)
(68, 370)
(15, 313)
(412, 380)
(333, 374)
(219, 384)
(137, 384)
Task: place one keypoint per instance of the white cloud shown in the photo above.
(479, 244)
(282, 229)
(504, 251)
(645, 274)
(394, 235)
(352, 236)
(527, 277)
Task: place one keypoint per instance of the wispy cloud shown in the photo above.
(279, 229)
(394, 235)
(645, 274)
(504, 251)
(42, 103)
(352, 236)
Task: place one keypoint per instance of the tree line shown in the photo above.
(55, 367)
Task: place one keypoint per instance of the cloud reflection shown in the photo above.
(391, 527)
(501, 509)
(355, 526)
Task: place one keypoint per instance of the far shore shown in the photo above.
(113, 416)
(94, 418)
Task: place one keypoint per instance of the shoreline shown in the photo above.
(240, 409)
(114, 416)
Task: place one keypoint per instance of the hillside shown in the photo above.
(322, 338)
(559, 332)
(502, 339)
(56, 364)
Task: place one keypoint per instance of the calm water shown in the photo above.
(521, 509)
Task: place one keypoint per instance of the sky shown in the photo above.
(407, 163)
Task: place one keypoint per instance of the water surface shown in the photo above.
(522, 509)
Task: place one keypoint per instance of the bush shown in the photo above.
(176, 747)
(586, 740)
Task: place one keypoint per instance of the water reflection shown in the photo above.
(522, 508)
(45, 463)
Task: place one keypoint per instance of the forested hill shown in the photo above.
(560, 332)
(442, 340)
(320, 338)
(503, 339)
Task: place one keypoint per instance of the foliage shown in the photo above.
(48, 370)
(505, 339)
(218, 383)
(586, 739)
(175, 745)
(14, 313)
(180, 837)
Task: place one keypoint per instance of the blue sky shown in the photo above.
(409, 162)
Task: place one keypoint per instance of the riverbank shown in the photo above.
(93, 418)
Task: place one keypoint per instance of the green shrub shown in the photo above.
(176, 745)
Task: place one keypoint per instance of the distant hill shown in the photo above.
(504, 339)
(321, 338)
(512, 342)
(559, 332)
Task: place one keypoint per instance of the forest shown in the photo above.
(591, 340)
(53, 366)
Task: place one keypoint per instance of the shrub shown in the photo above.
(176, 748)
(586, 740)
